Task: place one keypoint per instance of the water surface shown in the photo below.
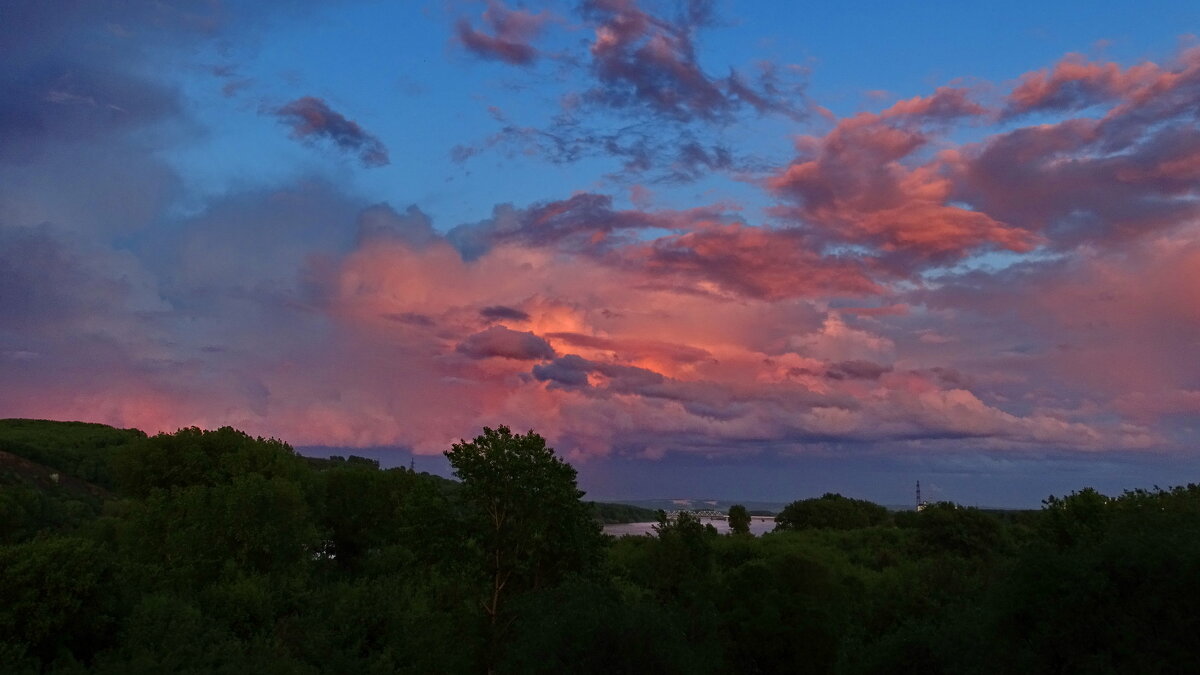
(758, 525)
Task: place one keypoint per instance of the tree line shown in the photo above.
(214, 551)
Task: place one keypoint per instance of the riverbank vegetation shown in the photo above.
(212, 551)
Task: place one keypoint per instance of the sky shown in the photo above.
(738, 250)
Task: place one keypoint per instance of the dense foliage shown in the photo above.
(830, 511)
(739, 519)
(212, 551)
(621, 513)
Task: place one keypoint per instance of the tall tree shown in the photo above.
(525, 517)
(739, 519)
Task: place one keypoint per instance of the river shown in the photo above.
(758, 525)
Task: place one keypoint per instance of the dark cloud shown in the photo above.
(583, 223)
(648, 151)
(644, 60)
(72, 144)
(644, 67)
(498, 341)
(569, 371)
(72, 102)
(857, 370)
(311, 118)
(412, 319)
(695, 160)
(776, 93)
(706, 400)
(649, 62)
(952, 377)
(502, 313)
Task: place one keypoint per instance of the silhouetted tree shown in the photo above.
(525, 517)
(739, 519)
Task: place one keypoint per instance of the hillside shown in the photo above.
(79, 450)
(76, 458)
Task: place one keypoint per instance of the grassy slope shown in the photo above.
(78, 450)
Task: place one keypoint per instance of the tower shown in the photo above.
(920, 504)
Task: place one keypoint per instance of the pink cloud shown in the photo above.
(1110, 331)
(659, 363)
(498, 341)
(1127, 173)
(740, 260)
(859, 184)
(1075, 83)
(311, 118)
(631, 373)
(650, 331)
(511, 33)
(891, 181)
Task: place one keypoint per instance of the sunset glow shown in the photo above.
(666, 236)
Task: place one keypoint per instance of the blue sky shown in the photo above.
(394, 68)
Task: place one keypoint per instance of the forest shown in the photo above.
(217, 552)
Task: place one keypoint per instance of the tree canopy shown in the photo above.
(526, 519)
(830, 511)
(214, 551)
(739, 519)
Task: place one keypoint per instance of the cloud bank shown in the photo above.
(1032, 289)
